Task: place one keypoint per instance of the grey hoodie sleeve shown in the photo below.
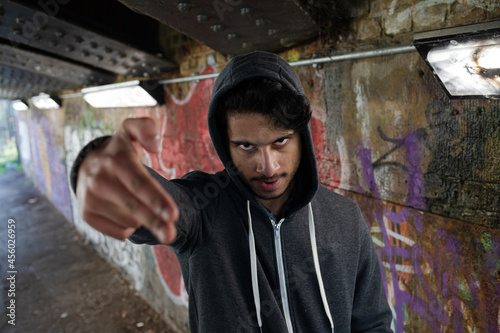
(189, 216)
(371, 312)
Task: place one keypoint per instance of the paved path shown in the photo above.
(61, 284)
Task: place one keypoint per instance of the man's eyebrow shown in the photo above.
(242, 142)
(237, 142)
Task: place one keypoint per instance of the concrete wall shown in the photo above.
(424, 169)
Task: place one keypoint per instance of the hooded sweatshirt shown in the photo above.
(314, 269)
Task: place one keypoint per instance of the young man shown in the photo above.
(262, 246)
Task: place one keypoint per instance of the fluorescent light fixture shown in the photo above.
(465, 59)
(46, 102)
(125, 94)
(19, 105)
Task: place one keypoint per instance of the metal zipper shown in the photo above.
(281, 272)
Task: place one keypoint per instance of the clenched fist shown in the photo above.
(115, 192)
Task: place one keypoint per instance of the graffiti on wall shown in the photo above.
(127, 256)
(440, 275)
(44, 160)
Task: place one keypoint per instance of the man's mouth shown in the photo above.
(270, 184)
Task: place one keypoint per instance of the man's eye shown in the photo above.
(246, 146)
(281, 142)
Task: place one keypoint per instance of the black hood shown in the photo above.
(271, 66)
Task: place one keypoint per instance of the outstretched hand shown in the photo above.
(117, 195)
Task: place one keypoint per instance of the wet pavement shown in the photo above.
(57, 282)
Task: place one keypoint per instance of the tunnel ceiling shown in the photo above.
(56, 45)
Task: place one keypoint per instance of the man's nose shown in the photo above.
(267, 163)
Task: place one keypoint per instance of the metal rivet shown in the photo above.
(17, 31)
(272, 32)
(246, 45)
(145, 74)
(260, 22)
(134, 71)
(217, 27)
(453, 42)
(98, 57)
(59, 34)
(143, 64)
(246, 11)
(184, 6)
(231, 35)
(20, 20)
(202, 18)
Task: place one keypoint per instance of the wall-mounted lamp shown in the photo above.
(465, 59)
(19, 105)
(125, 94)
(46, 102)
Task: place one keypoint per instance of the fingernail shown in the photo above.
(160, 235)
(165, 216)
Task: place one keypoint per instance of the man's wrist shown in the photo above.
(73, 177)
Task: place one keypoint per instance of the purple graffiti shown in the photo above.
(441, 283)
(49, 169)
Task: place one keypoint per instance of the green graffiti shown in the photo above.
(486, 241)
(465, 293)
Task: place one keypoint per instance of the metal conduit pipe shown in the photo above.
(313, 61)
(340, 57)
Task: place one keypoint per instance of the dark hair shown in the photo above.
(286, 108)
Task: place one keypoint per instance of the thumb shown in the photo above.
(142, 131)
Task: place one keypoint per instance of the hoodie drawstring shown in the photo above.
(253, 264)
(312, 234)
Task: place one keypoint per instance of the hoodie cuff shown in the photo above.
(81, 156)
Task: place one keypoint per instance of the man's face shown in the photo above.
(266, 157)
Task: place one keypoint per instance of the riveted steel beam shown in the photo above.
(233, 26)
(74, 75)
(16, 83)
(28, 26)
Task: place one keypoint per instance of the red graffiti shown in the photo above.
(329, 165)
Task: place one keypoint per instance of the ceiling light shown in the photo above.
(465, 59)
(19, 105)
(46, 102)
(125, 94)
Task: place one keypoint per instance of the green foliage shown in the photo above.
(8, 157)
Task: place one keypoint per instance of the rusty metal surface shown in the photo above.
(27, 26)
(233, 26)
